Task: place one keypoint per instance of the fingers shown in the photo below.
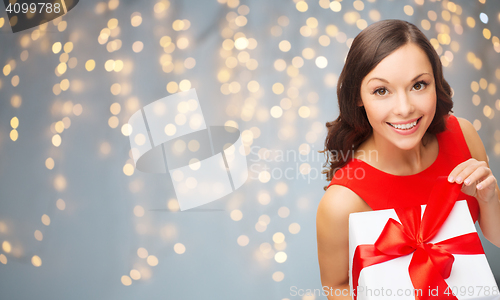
(463, 171)
(490, 181)
(478, 174)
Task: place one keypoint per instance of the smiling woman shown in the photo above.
(394, 101)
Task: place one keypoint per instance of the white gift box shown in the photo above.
(470, 278)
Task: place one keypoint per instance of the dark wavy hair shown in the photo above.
(371, 46)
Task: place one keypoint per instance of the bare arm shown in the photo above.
(332, 229)
(489, 211)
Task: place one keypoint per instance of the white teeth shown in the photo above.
(404, 126)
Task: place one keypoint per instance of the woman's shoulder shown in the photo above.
(472, 139)
(339, 201)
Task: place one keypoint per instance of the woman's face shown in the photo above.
(398, 92)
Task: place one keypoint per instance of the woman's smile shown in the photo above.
(406, 128)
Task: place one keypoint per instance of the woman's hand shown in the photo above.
(478, 180)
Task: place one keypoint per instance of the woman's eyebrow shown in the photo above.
(384, 80)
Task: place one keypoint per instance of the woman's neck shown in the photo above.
(391, 159)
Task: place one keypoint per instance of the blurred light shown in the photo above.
(173, 205)
(492, 88)
(68, 47)
(301, 6)
(38, 235)
(49, 163)
(236, 215)
(60, 204)
(135, 275)
(152, 260)
(128, 169)
(285, 46)
(281, 188)
(112, 23)
(142, 252)
(36, 261)
(297, 62)
(408, 10)
(324, 40)
(486, 33)
(56, 140)
(6, 247)
(278, 237)
(359, 5)
(278, 276)
(182, 43)
(113, 122)
(170, 129)
(136, 19)
(243, 240)
(280, 257)
(283, 212)
(351, 17)
(321, 62)
(335, 6)
(240, 21)
(483, 83)
(115, 108)
(374, 15)
(138, 211)
(476, 124)
(189, 63)
(476, 100)
(294, 228)
(126, 281)
(15, 101)
(14, 122)
(56, 47)
(278, 88)
(312, 22)
(308, 53)
(14, 135)
(264, 198)
(137, 46)
(471, 22)
(179, 248)
(361, 24)
(15, 80)
(280, 64)
(276, 111)
(484, 18)
(45, 220)
(283, 21)
(488, 111)
(265, 219)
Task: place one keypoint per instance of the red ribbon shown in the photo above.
(431, 263)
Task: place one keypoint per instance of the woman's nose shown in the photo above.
(403, 106)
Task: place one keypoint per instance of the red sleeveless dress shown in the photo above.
(382, 190)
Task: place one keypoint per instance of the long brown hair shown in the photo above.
(371, 46)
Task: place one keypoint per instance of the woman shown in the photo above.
(394, 133)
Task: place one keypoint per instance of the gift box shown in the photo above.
(424, 252)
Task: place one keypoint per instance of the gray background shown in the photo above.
(91, 244)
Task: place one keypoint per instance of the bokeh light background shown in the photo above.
(77, 221)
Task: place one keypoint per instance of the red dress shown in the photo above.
(381, 190)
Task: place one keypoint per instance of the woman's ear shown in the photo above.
(359, 103)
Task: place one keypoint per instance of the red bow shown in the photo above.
(431, 263)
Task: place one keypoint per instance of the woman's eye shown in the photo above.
(419, 86)
(381, 92)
